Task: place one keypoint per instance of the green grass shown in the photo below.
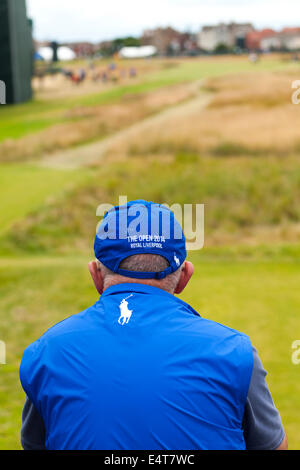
(33, 116)
(259, 298)
(16, 127)
(25, 188)
(200, 68)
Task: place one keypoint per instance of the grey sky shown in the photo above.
(95, 20)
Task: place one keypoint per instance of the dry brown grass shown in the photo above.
(250, 114)
(92, 123)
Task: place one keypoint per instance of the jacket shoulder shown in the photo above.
(73, 324)
(212, 327)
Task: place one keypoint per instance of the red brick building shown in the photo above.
(254, 38)
(169, 41)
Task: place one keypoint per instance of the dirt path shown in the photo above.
(92, 153)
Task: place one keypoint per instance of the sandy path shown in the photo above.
(93, 152)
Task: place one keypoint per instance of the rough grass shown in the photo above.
(247, 200)
(82, 124)
(250, 114)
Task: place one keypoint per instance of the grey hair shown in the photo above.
(143, 263)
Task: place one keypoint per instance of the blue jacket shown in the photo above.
(139, 370)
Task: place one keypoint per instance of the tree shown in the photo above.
(222, 49)
(111, 47)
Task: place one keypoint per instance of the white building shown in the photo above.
(211, 36)
(271, 43)
(228, 34)
(285, 40)
(291, 42)
(137, 52)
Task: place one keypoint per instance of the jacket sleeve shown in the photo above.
(262, 424)
(33, 430)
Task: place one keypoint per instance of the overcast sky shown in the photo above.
(95, 20)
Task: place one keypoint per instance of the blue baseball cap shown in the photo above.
(140, 227)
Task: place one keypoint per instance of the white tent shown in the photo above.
(46, 53)
(137, 52)
(63, 53)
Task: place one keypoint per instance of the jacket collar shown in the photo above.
(144, 289)
(135, 287)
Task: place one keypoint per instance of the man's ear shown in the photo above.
(185, 276)
(96, 276)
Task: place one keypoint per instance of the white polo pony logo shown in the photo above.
(125, 312)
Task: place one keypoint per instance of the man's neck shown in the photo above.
(116, 280)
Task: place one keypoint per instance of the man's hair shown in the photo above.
(143, 263)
